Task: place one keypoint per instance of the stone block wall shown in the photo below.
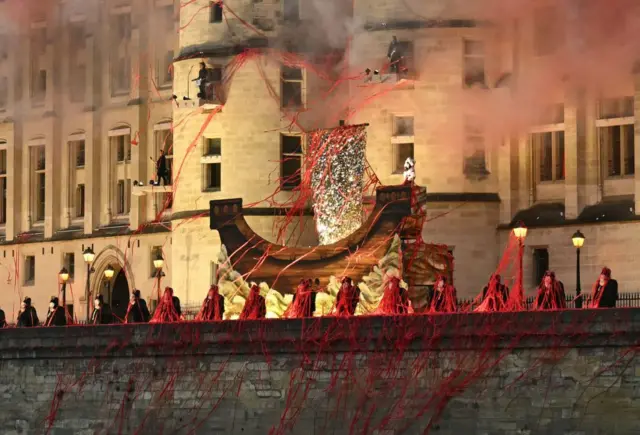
(573, 372)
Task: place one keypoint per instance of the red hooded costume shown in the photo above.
(444, 298)
(605, 291)
(167, 311)
(394, 300)
(255, 306)
(494, 296)
(212, 307)
(347, 299)
(550, 293)
(304, 301)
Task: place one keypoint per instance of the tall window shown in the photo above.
(164, 141)
(402, 142)
(212, 164)
(291, 10)
(164, 52)
(540, 264)
(79, 203)
(69, 263)
(548, 31)
(29, 270)
(38, 166)
(215, 12)
(291, 92)
(616, 133)
(120, 56)
(475, 162)
(548, 152)
(3, 186)
(77, 56)
(4, 92)
(123, 148)
(291, 158)
(474, 63)
(79, 153)
(123, 197)
(38, 78)
(155, 252)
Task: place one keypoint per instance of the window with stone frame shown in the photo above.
(615, 127)
(211, 164)
(548, 154)
(69, 263)
(548, 30)
(402, 141)
(38, 182)
(475, 160)
(165, 47)
(120, 53)
(155, 252)
(37, 61)
(292, 80)
(215, 11)
(474, 63)
(29, 270)
(77, 58)
(212, 177)
(79, 201)
(291, 151)
(3, 185)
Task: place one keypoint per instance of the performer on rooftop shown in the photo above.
(304, 301)
(394, 300)
(444, 298)
(605, 291)
(212, 307)
(255, 306)
(550, 293)
(347, 299)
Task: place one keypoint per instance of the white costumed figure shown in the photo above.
(409, 171)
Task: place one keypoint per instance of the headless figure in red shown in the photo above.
(394, 300)
(212, 307)
(167, 311)
(550, 293)
(304, 301)
(255, 306)
(347, 299)
(444, 298)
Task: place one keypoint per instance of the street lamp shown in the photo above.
(578, 241)
(520, 232)
(64, 277)
(89, 256)
(108, 274)
(158, 263)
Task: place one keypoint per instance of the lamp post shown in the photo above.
(158, 263)
(64, 277)
(520, 232)
(89, 256)
(108, 274)
(578, 240)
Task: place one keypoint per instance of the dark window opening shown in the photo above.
(213, 176)
(540, 264)
(213, 147)
(215, 12)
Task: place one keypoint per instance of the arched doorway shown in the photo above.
(120, 295)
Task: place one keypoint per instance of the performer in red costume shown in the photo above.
(605, 291)
(212, 307)
(304, 301)
(550, 293)
(255, 306)
(444, 298)
(347, 299)
(167, 311)
(394, 300)
(494, 295)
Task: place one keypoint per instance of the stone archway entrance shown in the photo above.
(120, 295)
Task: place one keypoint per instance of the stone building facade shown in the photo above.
(90, 94)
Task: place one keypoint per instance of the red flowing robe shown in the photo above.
(212, 309)
(394, 300)
(444, 301)
(166, 311)
(551, 298)
(255, 306)
(347, 301)
(303, 304)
